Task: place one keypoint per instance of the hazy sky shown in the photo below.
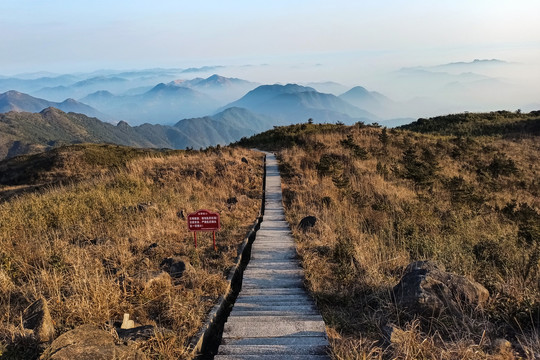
(321, 40)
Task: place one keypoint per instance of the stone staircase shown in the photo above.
(273, 317)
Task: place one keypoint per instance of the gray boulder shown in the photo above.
(88, 342)
(37, 318)
(427, 289)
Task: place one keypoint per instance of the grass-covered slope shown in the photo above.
(27, 133)
(496, 123)
(94, 243)
(67, 164)
(384, 198)
(23, 132)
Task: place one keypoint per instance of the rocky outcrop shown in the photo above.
(37, 318)
(427, 289)
(89, 342)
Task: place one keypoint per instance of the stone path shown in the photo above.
(273, 316)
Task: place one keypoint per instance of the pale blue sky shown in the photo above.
(353, 36)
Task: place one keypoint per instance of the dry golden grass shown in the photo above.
(91, 249)
(373, 220)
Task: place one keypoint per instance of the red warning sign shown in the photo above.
(203, 220)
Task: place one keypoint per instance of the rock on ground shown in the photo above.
(427, 289)
(38, 318)
(88, 342)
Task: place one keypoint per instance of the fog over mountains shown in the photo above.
(181, 108)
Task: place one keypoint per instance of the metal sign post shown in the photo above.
(204, 220)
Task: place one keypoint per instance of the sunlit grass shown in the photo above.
(372, 223)
(90, 246)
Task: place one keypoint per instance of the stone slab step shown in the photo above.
(270, 262)
(271, 357)
(287, 299)
(273, 298)
(269, 255)
(270, 318)
(259, 270)
(276, 265)
(298, 349)
(273, 247)
(248, 313)
(272, 291)
(276, 246)
(294, 328)
(258, 284)
(276, 278)
(273, 307)
(265, 274)
(283, 340)
(290, 308)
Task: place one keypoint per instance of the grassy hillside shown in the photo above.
(497, 123)
(23, 132)
(67, 164)
(93, 241)
(384, 198)
(28, 133)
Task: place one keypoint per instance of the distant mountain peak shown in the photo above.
(123, 124)
(178, 82)
(479, 61)
(51, 110)
(358, 90)
(216, 77)
(13, 93)
(168, 88)
(70, 101)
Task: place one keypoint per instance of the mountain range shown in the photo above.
(23, 132)
(221, 88)
(175, 108)
(173, 115)
(15, 101)
(162, 104)
(291, 103)
(372, 101)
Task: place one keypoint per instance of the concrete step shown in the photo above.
(274, 265)
(273, 318)
(298, 349)
(267, 254)
(293, 312)
(288, 300)
(273, 298)
(282, 340)
(271, 357)
(273, 291)
(260, 283)
(273, 307)
(293, 328)
(265, 273)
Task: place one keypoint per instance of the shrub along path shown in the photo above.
(273, 317)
